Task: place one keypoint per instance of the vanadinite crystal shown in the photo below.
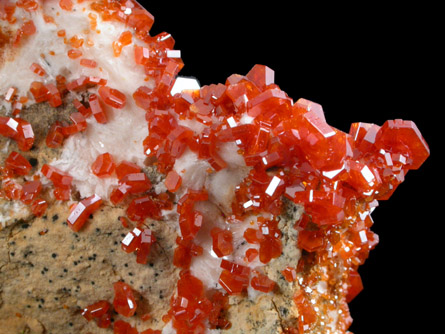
(124, 302)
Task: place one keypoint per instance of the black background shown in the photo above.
(364, 63)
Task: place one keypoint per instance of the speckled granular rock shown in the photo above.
(48, 273)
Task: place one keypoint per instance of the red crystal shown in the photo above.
(355, 285)
(39, 91)
(132, 241)
(147, 239)
(88, 63)
(125, 168)
(306, 313)
(262, 283)
(173, 181)
(290, 274)
(19, 130)
(30, 190)
(186, 248)
(37, 69)
(55, 136)
(262, 76)
(38, 207)
(59, 178)
(124, 302)
(82, 211)
(136, 183)
(142, 208)
(54, 96)
(403, 137)
(112, 97)
(103, 166)
(222, 241)
(12, 189)
(66, 5)
(18, 163)
(123, 327)
(100, 312)
(97, 109)
(79, 124)
(234, 278)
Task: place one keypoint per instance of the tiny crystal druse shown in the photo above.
(233, 157)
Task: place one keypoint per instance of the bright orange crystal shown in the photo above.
(82, 212)
(18, 163)
(103, 166)
(124, 302)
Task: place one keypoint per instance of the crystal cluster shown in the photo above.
(291, 153)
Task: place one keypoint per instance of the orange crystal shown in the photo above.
(124, 302)
(18, 163)
(82, 212)
(112, 97)
(222, 241)
(100, 312)
(97, 109)
(103, 166)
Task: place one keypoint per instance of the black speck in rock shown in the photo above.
(25, 226)
(54, 255)
(130, 273)
(33, 162)
(55, 217)
(12, 253)
(97, 230)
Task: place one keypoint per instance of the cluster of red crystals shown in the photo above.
(46, 93)
(133, 181)
(61, 180)
(336, 176)
(28, 192)
(139, 240)
(82, 211)
(100, 312)
(184, 252)
(124, 303)
(234, 278)
(191, 308)
(18, 130)
(268, 236)
(190, 220)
